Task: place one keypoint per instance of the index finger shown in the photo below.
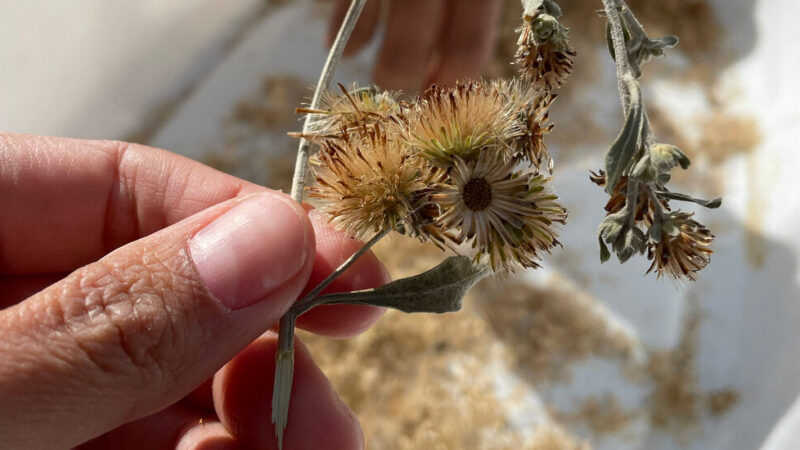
(67, 202)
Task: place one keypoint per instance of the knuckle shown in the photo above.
(125, 318)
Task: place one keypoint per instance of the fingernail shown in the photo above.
(250, 250)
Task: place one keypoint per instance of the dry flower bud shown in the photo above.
(543, 54)
(684, 247)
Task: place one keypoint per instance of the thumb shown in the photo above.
(134, 332)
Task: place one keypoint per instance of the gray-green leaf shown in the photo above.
(620, 156)
(439, 290)
(605, 254)
(712, 204)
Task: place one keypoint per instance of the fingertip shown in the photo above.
(317, 417)
(333, 248)
(210, 435)
(364, 29)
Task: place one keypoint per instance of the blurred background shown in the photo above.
(577, 355)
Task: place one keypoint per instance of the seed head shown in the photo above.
(352, 110)
(684, 247)
(461, 122)
(544, 56)
(369, 183)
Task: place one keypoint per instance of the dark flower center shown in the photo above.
(477, 194)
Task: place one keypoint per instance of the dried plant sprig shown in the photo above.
(417, 168)
(639, 217)
(544, 55)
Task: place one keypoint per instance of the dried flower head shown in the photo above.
(684, 247)
(351, 110)
(543, 53)
(533, 111)
(461, 121)
(368, 183)
(505, 214)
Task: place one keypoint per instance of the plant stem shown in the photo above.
(304, 149)
(612, 8)
(304, 303)
(284, 358)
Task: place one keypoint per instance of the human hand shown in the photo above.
(427, 41)
(156, 339)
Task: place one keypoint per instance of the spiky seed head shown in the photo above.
(368, 183)
(351, 110)
(684, 248)
(460, 122)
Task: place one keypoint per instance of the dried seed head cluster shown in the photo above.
(457, 165)
(544, 56)
(639, 218)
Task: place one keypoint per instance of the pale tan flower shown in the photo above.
(368, 183)
(506, 215)
(684, 248)
(461, 121)
(351, 110)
